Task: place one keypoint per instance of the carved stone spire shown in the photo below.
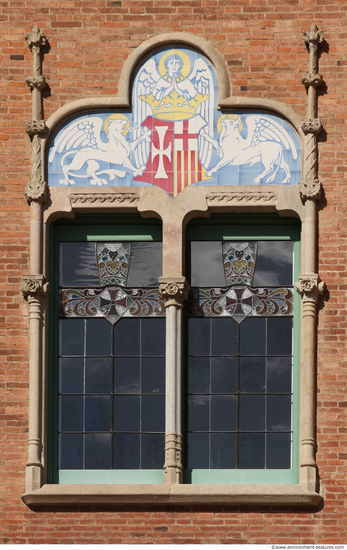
(310, 185)
(35, 189)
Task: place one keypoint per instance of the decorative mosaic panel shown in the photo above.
(174, 136)
(113, 261)
(112, 303)
(240, 302)
(239, 262)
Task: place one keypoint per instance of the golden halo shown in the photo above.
(185, 59)
(230, 116)
(117, 116)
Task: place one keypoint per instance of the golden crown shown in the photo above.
(174, 104)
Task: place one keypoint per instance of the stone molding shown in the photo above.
(124, 199)
(173, 458)
(242, 198)
(174, 290)
(32, 285)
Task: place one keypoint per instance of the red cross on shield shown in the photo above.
(173, 162)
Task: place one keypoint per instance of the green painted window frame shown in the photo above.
(85, 229)
(256, 227)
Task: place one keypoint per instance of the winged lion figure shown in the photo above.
(265, 142)
(82, 139)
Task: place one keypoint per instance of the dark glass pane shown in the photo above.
(127, 413)
(223, 451)
(152, 451)
(126, 337)
(126, 451)
(98, 413)
(206, 264)
(198, 451)
(198, 336)
(98, 375)
(98, 337)
(145, 264)
(274, 265)
(279, 374)
(198, 413)
(70, 452)
(153, 337)
(252, 374)
(198, 375)
(223, 374)
(127, 375)
(252, 451)
(279, 336)
(223, 413)
(224, 336)
(77, 265)
(278, 451)
(71, 413)
(252, 337)
(153, 375)
(278, 413)
(71, 375)
(98, 451)
(71, 337)
(153, 413)
(252, 413)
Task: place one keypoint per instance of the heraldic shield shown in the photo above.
(174, 136)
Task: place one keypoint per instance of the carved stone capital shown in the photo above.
(311, 126)
(34, 127)
(37, 82)
(313, 36)
(310, 189)
(310, 283)
(35, 38)
(312, 80)
(36, 190)
(174, 290)
(34, 285)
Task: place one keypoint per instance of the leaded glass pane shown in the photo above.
(111, 365)
(239, 361)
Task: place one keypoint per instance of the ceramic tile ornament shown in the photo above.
(174, 136)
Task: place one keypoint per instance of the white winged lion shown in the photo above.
(265, 142)
(82, 139)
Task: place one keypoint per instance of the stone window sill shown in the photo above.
(175, 495)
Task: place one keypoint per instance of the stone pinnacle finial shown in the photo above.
(35, 38)
(313, 36)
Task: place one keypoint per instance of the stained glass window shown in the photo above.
(240, 355)
(111, 371)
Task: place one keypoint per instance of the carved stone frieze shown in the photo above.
(34, 284)
(242, 197)
(310, 189)
(124, 199)
(174, 290)
(34, 127)
(311, 126)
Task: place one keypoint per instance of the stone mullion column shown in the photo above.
(174, 291)
(33, 286)
(309, 285)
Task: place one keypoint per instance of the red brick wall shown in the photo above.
(261, 41)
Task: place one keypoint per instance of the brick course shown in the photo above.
(261, 41)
